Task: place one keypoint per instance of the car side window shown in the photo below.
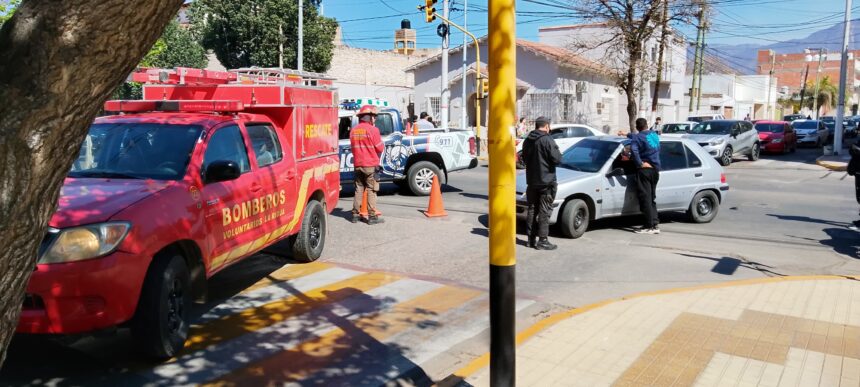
(558, 133)
(385, 123)
(227, 144)
(693, 161)
(672, 156)
(343, 127)
(580, 132)
(265, 143)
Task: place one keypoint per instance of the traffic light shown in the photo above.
(430, 10)
(483, 88)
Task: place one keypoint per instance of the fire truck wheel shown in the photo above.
(310, 240)
(160, 325)
(420, 177)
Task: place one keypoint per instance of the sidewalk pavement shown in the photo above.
(783, 331)
(835, 163)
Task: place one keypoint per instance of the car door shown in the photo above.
(789, 137)
(276, 171)
(749, 134)
(675, 178)
(823, 133)
(228, 203)
(618, 193)
(735, 139)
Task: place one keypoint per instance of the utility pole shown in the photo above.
(502, 189)
(663, 35)
(446, 92)
(280, 46)
(464, 109)
(840, 109)
(702, 57)
(822, 52)
(803, 88)
(700, 16)
(767, 112)
(301, 35)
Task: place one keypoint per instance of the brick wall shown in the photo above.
(374, 67)
(789, 68)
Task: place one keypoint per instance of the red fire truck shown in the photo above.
(209, 168)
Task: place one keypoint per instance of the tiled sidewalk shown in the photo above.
(796, 331)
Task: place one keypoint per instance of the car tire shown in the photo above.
(161, 323)
(755, 152)
(574, 218)
(420, 177)
(726, 157)
(704, 207)
(308, 244)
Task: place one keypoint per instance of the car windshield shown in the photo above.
(829, 124)
(770, 128)
(675, 128)
(588, 155)
(136, 151)
(713, 127)
(805, 124)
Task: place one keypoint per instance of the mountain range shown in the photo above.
(743, 57)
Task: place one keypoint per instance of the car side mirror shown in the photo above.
(222, 170)
(616, 172)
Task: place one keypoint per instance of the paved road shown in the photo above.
(407, 299)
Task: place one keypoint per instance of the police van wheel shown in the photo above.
(420, 177)
(310, 241)
(161, 322)
(574, 219)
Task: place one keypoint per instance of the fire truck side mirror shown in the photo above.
(221, 170)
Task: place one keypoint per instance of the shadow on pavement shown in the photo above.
(842, 239)
(807, 219)
(729, 265)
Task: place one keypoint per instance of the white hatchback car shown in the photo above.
(565, 135)
(595, 181)
(677, 129)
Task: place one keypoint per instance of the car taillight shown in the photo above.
(473, 149)
(723, 178)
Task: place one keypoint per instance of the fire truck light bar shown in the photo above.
(135, 106)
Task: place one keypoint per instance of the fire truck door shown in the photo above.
(276, 168)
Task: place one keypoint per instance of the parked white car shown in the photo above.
(677, 129)
(706, 117)
(811, 132)
(565, 135)
(596, 181)
(724, 139)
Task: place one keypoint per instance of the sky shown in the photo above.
(371, 23)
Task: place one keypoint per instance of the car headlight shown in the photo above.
(718, 141)
(86, 242)
(777, 140)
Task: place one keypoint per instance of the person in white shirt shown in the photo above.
(424, 122)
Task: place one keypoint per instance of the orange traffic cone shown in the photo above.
(363, 210)
(435, 208)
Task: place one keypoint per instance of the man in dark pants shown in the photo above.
(540, 155)
(645, 147)
(854, 170)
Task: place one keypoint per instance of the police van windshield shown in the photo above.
(136, 151)
(588, 155)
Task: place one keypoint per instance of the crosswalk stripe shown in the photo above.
(277, 290)
(288, 272)
(312, 355)
(222, 358)
(253, 319)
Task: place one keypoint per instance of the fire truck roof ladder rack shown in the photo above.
(276, 76)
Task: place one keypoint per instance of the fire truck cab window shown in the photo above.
(267, 148)
(226, 144)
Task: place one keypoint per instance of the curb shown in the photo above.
(484, 360)
(832, 165)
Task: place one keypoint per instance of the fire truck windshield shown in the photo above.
(136, 151)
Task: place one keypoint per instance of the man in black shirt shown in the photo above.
(540, 155)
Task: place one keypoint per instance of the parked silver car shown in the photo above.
(724, 139)
(810, 132)
(595, 181)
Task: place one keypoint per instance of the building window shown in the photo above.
(567, 106)
(434, 107)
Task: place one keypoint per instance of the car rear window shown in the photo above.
(770, 128)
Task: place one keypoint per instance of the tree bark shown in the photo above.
(664, 33)
(59, 61)
(630, 85)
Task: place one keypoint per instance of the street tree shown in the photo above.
(7, 8)
(59, 61)
(247, 33)
(633, 24)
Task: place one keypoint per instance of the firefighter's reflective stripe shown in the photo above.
(242, 250)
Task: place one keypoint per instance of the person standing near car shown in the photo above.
(541, 156)
(645, 148)
(366, 144)
(854, 170)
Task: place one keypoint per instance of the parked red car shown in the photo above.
(776, 136)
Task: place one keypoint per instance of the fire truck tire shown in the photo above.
(310, 241)
(161, 322)
(420, 177)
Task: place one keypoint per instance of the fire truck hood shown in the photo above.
(87, 200)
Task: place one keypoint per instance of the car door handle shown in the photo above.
(698, 174)
(291, 176)
(256, 187)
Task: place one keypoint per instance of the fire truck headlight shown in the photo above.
(86, 242)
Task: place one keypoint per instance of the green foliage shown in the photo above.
(245, 33)
(7, 8)
(827, 94)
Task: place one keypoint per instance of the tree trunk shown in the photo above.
(664, 33)
(630, 86)
(59, 61)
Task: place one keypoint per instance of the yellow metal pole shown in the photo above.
(503, 75)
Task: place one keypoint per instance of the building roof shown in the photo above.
(573, 26)
(485, 73)
(560, 56)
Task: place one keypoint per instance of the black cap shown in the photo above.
(541, 121)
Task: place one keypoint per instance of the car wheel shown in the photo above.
(704, 207)
(161, 323)
(574, 219)
(420, 177)
(309, 242)
(755, 152)
(726, 157)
